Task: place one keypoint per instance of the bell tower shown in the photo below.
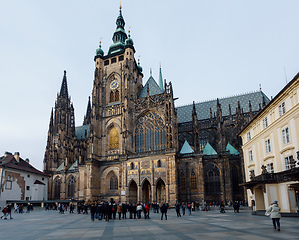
(117, 82)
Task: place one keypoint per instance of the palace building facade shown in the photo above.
(136, 145)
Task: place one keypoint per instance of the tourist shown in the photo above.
(164, 211)
(119, 211)
(4, 211)
(183, 208)
(274, 212)
(139, 210)
(236, 206)
(222, 207)
(124, 210)
(177, 209)
(114, 209)
(147, 210)
(189, 206)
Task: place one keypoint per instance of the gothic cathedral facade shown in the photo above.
(135, 145)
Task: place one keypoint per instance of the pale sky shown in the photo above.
(207, 49)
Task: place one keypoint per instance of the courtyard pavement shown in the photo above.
(41, 224)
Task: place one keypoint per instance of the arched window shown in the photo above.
(113, 182)
(193, 181)
(57, 188)
(116, 95)
(71, 187)
(159, 163)
(149, 133)
(132, 166)
(113, 138)
(182, 180)
(212, 179)
(111, 96)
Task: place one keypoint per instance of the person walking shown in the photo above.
(139, 210)
(183, 208)
(164, 211)
(178, 209)
(4, 211)
(274, 211)
(189, 206)
(93, 209)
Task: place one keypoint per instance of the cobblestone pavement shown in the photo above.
(42, 224)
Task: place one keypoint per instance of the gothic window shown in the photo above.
(193, 181)
(212, 179)
(114, 96)
(182, 180)
(149, 133)
(71, 187)
(113, 138)
(159, 163)
(203, 139)
(113, 182)
(132, 166)
(57, 186)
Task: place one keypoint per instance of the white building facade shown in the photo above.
(271, 152)
(20, 181)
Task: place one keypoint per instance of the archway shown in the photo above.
(160, 191)
(133, 192)
(146, 191)
(259, 199)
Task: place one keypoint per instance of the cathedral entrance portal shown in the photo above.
(133, 192)
(146, 191)
(160, 191)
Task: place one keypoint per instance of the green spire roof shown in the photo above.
(231, 149)
(119, 36)
(61, 167)
(99, 51)
(186, 148)
(209, 150)
(74, 165)
(161, 80)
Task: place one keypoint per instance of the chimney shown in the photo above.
(27, 160)
(7, 154)
(17, 156)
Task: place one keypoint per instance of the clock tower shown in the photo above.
(117, 83)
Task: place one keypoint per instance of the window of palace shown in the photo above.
(113, 60)
(212, 179)
(71, 187)
(248, 136)
(250, 157)
(285, 135)
(265, 122)
(281, 109)
(106, 63)
(113, 138)
(289, 162)
(193, 181)
(270, 168)
(121, 58)
(149, 134)
(113, 182)
(268, 145)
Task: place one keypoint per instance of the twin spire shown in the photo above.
(63, 89)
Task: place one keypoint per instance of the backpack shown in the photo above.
(189, 206)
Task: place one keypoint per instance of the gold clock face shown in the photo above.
(114, 84)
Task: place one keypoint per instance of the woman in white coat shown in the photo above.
(274, 212)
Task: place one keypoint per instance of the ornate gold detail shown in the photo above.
(113, 138)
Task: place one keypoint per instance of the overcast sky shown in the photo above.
(207, 49)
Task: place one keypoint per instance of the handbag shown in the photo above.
(267, 214)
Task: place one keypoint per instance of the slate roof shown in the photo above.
(184, 113)
(80, 131)
(74, 165)
(154, 88)
(61, 167)
(11, 162)
(186, 148)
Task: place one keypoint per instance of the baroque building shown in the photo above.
(135, 145)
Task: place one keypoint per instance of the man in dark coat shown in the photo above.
(164, 211)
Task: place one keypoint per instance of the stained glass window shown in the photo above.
(193, 181)
(212, 179)
(71, 187)
(149, 133)
(113, 138)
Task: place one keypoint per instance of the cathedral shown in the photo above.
(136, 145)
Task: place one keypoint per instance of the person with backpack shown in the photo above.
(4, 211)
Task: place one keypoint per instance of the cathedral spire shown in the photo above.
(161, 80)
(87, 117)
(63, 89)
